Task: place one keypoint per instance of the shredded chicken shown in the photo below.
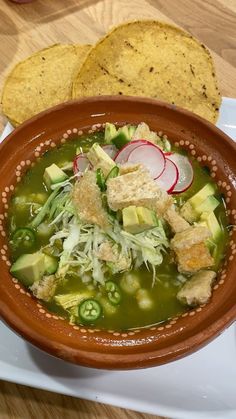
(175, 220)
(45, 288)
(197, 290)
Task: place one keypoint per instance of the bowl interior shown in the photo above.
(132, 348)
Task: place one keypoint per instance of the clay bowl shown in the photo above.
(113, 349)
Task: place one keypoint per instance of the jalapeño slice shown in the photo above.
(100, 180)
(114, 172)
(90, 310)
(23, 237)
(113, 292)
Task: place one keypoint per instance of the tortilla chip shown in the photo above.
(41, 81)
(152, 59)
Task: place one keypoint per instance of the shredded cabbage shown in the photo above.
(81, 242)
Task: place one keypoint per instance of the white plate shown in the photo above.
(200, 386)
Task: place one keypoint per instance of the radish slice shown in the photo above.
(151, 157)
(185, 172)
(81, 163)
(111, 150)
(123, 154)
(169, 177)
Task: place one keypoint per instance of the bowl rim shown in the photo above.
(92, 358)
(120, 98)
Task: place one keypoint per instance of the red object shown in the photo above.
(169, 177)
(151, 157)
(185, 170)
(111, 150)
(123, 154)
(81, 163)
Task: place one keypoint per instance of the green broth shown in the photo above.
(127, 314)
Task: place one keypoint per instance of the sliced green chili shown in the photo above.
(90, 310)
(113, 292)
(23, 237)
(113, 173)
(101, 182)
(106, 206)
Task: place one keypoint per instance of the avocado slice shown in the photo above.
(50, 265)
(147, 218)
(29, 268)
(110, 132)
(130, 220)
(100, 159)
(202, 201)
(53, 174)
(122, 137)
(209, 205)
(120, 140)
(200, 196)
(132, 129)
(212, 224)
(138, 219)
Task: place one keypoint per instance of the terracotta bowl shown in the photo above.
(114, 349)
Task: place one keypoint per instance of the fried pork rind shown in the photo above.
(136, 188)
(87, 199)
(191, 251)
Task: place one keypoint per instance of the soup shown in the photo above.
(117, 229)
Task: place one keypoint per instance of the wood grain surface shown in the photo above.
(26, 28)
(20, 402)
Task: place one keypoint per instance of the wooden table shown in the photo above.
(27, 28)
